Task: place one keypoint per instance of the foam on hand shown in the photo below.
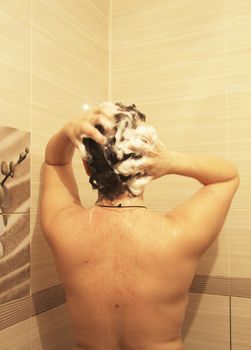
(141, 137)
(143, 140)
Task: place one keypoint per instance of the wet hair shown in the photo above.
(102, 160)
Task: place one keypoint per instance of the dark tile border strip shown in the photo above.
(14, 311)
(240, 287)
(217, 285)
(47, 299)
(21, 309)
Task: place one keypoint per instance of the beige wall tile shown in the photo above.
(15, 64)
(239, 77)
(70, 58)
(169, 191)
(70, 61)
(241, 323)
(240, 153)
(102, 6)
(161, 20)
(16, 337)
(240, 242)
(51, 330)
(206, 324)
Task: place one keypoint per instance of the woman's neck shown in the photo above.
(124, 200)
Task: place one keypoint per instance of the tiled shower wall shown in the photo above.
(186, 65)
(53, 58)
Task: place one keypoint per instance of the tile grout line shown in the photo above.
(31, 3)
(31, 94)
(228, 157)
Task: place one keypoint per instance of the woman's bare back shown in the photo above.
(125, 276)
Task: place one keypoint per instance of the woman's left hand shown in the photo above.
(76, 129)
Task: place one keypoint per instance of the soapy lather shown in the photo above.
(128, 134)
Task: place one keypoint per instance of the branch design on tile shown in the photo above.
(8, 171)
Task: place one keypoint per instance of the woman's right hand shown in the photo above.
(155, 162)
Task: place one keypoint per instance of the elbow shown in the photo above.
(236, 180)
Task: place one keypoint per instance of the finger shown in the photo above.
(131, 166)
(104, 121)
(90, 131)
(138, 146)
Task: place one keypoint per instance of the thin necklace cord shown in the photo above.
(120, 206)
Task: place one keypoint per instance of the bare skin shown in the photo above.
(127, 271)
(127, 281)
